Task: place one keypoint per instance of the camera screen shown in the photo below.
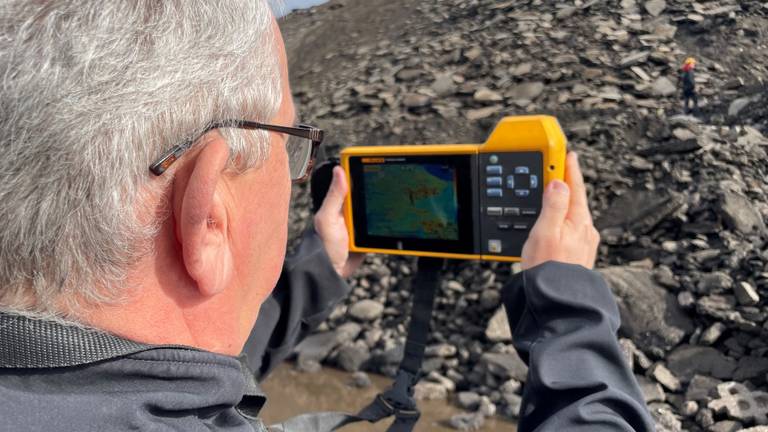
(411, 200)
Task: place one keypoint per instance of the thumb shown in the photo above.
(334, 199)
(554, 208)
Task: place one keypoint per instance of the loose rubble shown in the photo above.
(681, 201)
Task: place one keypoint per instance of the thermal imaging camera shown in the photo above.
(464, 201)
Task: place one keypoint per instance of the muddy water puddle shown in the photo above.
(291, 392)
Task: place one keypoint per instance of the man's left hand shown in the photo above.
(330, 226)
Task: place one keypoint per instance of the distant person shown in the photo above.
(145, 177)
(688, 81)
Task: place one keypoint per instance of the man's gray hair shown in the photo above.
(92, 92)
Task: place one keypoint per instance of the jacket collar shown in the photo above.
(27, 343)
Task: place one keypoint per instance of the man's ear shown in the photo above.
(201, 217)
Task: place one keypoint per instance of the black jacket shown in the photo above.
(72, 379)
(688, 80)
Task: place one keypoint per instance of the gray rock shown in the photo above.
(689, 408)
(416, 100)
(490, 298)
(498, 329)
(527, 91)
(361, 380)
(714, 283)
(738, 105)
(738, 213)
(652, 391)
(746, 294)
(408, 74)
(655, 7)
(634, 58)
(712, 334)
(366, 310)
(443, 84)
(739, 403)
(485, 94)
(513, 403)
(511, 386)
(722, 308)
(315, 348)
(688, 360)
(663, 376)
(521, 69)
(352, 356)
(705, 418)
(467, 421)
(468, 400)
(700, 388)
(686, 300)
(426, 390)
(666, 420)
(750, 367)
(663, 87)
(487, 408)
(665, 277)
(640, 211)
(504, 365)
(347, 332)
(726, 426)
(650, 315)
(440, 350)
(481, 113)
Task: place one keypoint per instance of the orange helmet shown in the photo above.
(690, 61)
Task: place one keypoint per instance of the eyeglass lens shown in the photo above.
(299, 153)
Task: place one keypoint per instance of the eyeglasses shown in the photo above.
(302, 144)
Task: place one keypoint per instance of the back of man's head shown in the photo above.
(92, 92)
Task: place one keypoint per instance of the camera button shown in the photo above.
(493, 181)
(521, 226)
(504, 226)
(495, 193)
(493, 159)
(511, 211)
(522, 170)
(493, 169)
(529, 212)
(534, 181)
(494, 211)
(510, 182)
(494, 246)
(522, 193)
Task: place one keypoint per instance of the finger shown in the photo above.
(334, 199)
(554, 208)
(579, 206)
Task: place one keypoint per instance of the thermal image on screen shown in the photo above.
(411, 200)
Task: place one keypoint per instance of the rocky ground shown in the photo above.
(681, 201)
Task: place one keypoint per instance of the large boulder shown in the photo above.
(505, 365)
(686, 361)
(650, 316)
(738, 213)
(640, 211)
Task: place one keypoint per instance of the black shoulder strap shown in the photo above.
(55, 344)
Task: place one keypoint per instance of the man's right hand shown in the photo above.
(564, 231)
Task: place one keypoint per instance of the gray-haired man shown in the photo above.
(147, 155)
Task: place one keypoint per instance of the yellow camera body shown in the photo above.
(462, 201)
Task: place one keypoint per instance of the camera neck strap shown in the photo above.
(398, 400)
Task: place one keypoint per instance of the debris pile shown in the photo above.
(681, 201)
